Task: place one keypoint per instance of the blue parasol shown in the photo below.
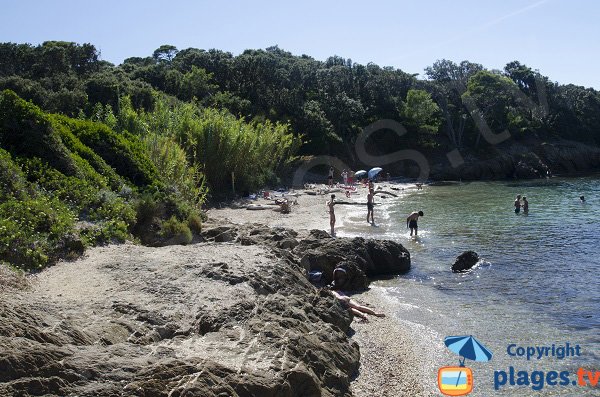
(360, 173)
(469, 348)
(373, 172)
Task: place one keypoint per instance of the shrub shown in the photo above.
(26, 131)
(175, 231)
(12, 180)
(124, 152)
(195, 223)
(31, 231)
(221, 144)
(177, 173)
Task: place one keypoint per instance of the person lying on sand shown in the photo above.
(356, 308)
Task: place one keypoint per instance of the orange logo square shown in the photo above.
(455, 381)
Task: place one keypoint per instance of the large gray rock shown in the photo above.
(362, 257)
(208, 319)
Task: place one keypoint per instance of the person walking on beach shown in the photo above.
(525, 205)
(330, 204)
(411, 222)
(518, 204)
(370, 206)
(345, 177)
(330, 177)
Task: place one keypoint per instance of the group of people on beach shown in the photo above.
(411, 220)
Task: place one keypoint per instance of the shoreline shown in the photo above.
(394, 353)
(233, 309)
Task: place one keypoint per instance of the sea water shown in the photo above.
(538, 283)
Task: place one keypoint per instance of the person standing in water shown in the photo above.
(370, 205)
(525, 205)
(518, 204)
(582, 199)
(330, 204)
(411, 222)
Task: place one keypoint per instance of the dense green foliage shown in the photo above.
(101, 152)
(67, 183)
(327, 102)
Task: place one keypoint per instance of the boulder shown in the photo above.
(364, 257)
(465, 261)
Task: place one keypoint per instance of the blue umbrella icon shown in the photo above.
(468, 348)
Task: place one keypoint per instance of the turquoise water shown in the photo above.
(538, 283)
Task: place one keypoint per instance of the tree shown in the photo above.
(421, 111)
(196, 84)
(164, 53)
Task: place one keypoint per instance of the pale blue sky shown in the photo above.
(558, 37)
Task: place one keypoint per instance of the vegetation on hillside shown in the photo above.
(92, 152)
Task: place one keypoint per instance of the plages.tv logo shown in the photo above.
(458, 380)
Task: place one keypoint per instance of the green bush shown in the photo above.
(175, 231)
(195, 223)
(177, 173)
(32, 230)
(26, 131)
(220, 144)
(124, 152)
(12, 180)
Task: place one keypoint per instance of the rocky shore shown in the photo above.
(233, 315)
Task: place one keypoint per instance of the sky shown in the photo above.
(557, 37)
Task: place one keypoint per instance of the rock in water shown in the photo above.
(465, 261)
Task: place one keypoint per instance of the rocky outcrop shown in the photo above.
(465, 261)
(360, 257)
(528, 159)
(209, 319)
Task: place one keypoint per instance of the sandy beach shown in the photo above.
(394, 352)
(232, 314)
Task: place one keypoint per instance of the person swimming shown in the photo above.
(582, 199)
(518, 204)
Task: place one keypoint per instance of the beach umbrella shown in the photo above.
(360, 173)
(373, 172)
(468, 347)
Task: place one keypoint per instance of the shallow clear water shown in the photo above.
(538, 284)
